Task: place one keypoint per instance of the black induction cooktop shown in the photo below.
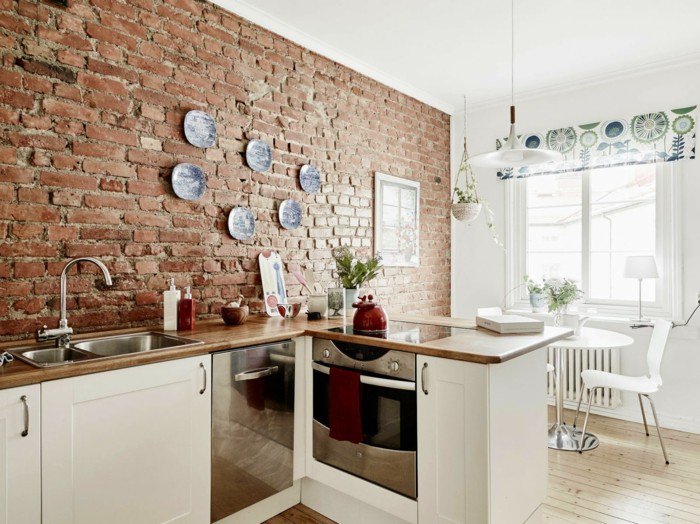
(407, 332)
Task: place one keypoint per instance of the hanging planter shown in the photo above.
(466, 211)
(466, 202)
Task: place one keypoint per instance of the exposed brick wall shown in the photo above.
(91, 108)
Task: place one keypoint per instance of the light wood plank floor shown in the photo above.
(624, 480)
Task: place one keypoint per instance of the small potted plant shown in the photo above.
(354, 273)
(561, 292)
(538, 297)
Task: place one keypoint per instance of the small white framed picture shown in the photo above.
(396, 220)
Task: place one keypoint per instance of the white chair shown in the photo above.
(642, 386)
(483, 311)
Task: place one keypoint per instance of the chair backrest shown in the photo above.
(657, 345)
(486, 311)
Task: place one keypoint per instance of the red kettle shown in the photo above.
(369, 317)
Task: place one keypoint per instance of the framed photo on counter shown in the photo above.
(396, 220)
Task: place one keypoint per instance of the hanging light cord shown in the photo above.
(512, 52)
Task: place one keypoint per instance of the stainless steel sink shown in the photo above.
(52, 356)
(103, 347)
(132, 343)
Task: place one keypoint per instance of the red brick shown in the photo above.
(29, 269)
(112, 135)
(68, 110)
(50, 178)
(102, 216)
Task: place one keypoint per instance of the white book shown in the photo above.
(510, 324)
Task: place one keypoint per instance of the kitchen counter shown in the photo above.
(474, 345)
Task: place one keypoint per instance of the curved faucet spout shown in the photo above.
(63, 322)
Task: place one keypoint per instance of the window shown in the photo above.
(583, 226)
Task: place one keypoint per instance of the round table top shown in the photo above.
(592, 338)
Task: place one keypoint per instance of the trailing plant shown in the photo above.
(470, 193)
(561, 292)
(534, 288)
(353, 272)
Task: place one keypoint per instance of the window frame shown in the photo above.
(668, 302)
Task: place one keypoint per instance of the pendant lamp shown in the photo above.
(514, 153)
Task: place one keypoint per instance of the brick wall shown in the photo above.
(91, 108)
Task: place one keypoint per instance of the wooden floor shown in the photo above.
(624, 480)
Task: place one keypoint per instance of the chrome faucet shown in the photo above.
(62, 333)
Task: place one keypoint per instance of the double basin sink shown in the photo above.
(103, 347)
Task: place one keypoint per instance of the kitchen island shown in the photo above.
(480, 404)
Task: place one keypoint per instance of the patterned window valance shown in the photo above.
(665, 136)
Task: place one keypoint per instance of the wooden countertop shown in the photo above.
(473, 345)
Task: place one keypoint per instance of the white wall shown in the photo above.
(479, 265)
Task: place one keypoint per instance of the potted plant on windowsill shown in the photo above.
(561, 292)
(538, 297)
(354, 273)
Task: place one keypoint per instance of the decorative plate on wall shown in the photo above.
(189, 181)
(258, 154)
(290, 214)
(310, 178)
(241, 223)
(200, 129)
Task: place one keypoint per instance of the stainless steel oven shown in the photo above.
(386, 455)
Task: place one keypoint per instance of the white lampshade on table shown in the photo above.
(640, 267)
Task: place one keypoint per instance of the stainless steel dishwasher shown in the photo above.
(252, 425)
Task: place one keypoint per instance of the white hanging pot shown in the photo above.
(466, 211)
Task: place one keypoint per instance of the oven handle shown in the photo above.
(373, 381)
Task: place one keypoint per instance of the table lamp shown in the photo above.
(640, 267)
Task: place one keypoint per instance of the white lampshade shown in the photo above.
(641, 267)
(514, 154)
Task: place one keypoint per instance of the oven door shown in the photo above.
(387, 453)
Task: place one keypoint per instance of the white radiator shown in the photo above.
(577, 360)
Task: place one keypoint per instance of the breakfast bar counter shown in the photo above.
(468, 343)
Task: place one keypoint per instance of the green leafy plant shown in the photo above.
(534, 288)
(560, 293)
(353, 272)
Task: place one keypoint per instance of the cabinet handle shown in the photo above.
(423, 377)
(255, 373)
(204, 387)
(25, 401)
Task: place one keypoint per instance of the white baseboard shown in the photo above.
(266, 509)
(633, 414)
(343, 508)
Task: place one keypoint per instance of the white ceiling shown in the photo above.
(436, 50)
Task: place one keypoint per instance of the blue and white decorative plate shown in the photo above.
(241, 223)
(258, 155)
(200, 129)
(310, 178)
(290, 214)
(189, 181)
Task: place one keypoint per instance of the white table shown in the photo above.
(561, 435)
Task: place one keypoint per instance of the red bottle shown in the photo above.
(186, 313)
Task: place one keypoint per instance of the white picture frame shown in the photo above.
(396, 220)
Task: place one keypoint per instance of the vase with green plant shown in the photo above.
(538, 297)
(354, 273)
(561, 293)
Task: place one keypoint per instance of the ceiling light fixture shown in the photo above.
(514, 153)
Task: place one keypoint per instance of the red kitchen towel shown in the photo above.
(344, 411)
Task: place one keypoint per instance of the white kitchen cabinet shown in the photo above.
(130, 445)
(20, 455)
(482, 440)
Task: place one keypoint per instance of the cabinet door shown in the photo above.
(452, 450)
(20, 455)
(131, 445)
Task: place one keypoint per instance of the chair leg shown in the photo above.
(580, 398)
(585, 422)
(658, 429)
(644, 415)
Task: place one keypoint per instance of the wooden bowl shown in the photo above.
(234, 316)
